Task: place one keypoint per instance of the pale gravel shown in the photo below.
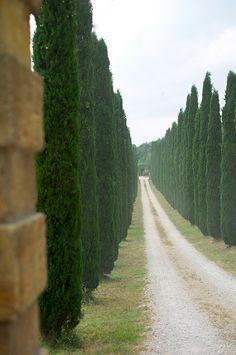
(180, 326)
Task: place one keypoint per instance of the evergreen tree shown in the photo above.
(185, 152)
(193, 106)
(179, 161)
(228, 164)
(55, 58)
(87, 168)
(204, 118)
(103, 94)
(195, 166)
(213, 150)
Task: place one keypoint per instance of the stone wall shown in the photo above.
(22, 230)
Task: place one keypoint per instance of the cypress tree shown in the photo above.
(179, 161)
(213, 150)
(228, 164)
(193, 106)
(204, 118)
(195, 166)
(55, 58)
(103, 94)
(185, 153)
(87, 168)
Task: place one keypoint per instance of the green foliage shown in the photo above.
(228, 164)
(144, 158)
(195, 163)
(202, 184)
(87, 167)
(103, 95)
(57, 166)
(193, 107)
(116, 166)
(213, 150)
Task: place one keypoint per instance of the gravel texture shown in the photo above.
(193, 302)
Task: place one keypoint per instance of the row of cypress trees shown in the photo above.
(86, 174)
(194, 165)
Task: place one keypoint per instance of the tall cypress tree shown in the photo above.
(103, 94)
(228, 164)
(87, 168)
(180, 161)
(204, 118)
(213, 150)
(193, 106)
(55, 58)
(195, 166)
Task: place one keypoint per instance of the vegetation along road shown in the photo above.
(192, 300)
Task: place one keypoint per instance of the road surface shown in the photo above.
(192, 301)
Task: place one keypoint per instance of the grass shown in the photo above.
(213, 249)
(115, 319)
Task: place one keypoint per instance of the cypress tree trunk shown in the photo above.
(228, 164)
(87, 168)
(213, 149)
(55, 59)
(204, 118)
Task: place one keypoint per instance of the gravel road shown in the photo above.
(193, 302)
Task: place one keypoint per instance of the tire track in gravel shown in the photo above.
(187, 319)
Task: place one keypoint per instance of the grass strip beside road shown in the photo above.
(213, 249)
(115, 320)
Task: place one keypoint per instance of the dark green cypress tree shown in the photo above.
(179, 161)
(185, 153)
(193, 106)
(195, 166)
(228, 164)
(103, 94)
(213, 172)
(87, 168)
(55, 58)
(202, 185)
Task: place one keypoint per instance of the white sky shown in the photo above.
(159, 48)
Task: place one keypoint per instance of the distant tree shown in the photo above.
(195, 166)
(144, 156)
(202, 185)
(87, 167)
(179, 204)
(213, 172)
(193, 107)
(228, 164)
(55, 59)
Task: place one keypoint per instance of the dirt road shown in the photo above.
(193, 302)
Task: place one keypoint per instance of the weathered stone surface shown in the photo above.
(20, 337)
(23, 264)
(33, 5)
(20, 105)
(17, 183)
(14, 29)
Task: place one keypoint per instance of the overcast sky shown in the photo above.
(159, 48)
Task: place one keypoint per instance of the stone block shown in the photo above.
(20, 105)
(17, 184)
(22, 265)
(14, 29)
(20, 337)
